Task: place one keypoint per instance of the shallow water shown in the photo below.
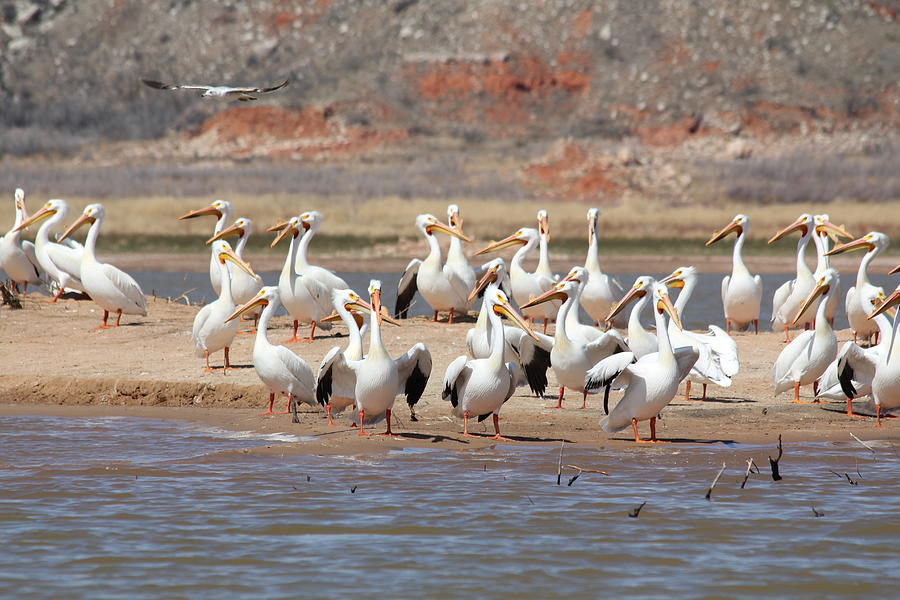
(138, 508)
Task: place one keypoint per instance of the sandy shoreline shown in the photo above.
(56, 365)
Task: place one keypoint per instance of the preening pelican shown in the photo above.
(601, 291)
(111, 288)
(211, 332)
(640, 341)
(221, 209)
(886, 380)
(531, 353)
(791, 294)
(526, 286)
(17, 257)
(280, 370)
(479, 387)
(572, 358)
(456, 258)
(441, 286)
(543, 267)
(741, 292)
(652, 381)
(804, 360)
(377, 379)
(859, 297)
(244, 283)
(60, 261)
(718, 355)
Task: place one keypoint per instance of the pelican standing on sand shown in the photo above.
(859, 298)
(244, 284)
(17, 257)
(741, 292)
(456, 258)
(652, 381)
(440, 285)
(280, 370)
(601, 291)
(479, 387)
(792, 293)
(60, 261)
(640, 341)
(111, 288)
(210, 332)
(886, 378)
(221, 209)
(377, 379)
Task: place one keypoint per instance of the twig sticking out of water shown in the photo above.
(529, 499)
(308, 479)
(751, 468)
(773, 462)
(715, 481)
(817, 513)
(559, 467)
(634, 512)
(866, 446)
(353, 489)
(847, 475)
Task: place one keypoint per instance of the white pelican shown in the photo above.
(571, 358)
(60, 261)
(640, 341)
(575, 328)
(652, 381)
(244, 285)
(532, 355)
(718, 355)
(311, 221)
(304, 297)
(111, 288)
(211, 332)
(347, 303)
(456, 258)
(543, 266)
(219, 92)
(859, 297)
(741, 292)
(280, 370)
(377, 379)
(479, 387)
(441, 287)
(526, 286)
(805, 359)
(17, 257)
(886, 379)
(221, 209)
(792, 293)
(601, 291)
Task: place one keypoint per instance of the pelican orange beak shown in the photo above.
(40, 215)
(664, 303)
(734, 226)
(820, 289)
(673, 281)
(633, 294)
(237, 260)
(248, 306)
(277, 226)
(572, 276)
(799, 224)
(544, 225)
(74, 226)
(233, 230)
(456, 222)
(551, 294)
(286, 231)
(201, 212)
(835, 231)
(505, 309)
(504, 243)
(894, 270)
(889, 302)
(490, 276)
(361, 305)
(375, 306)
(437, 225)
(857, 244)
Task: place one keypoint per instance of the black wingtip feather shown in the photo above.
(536, 372)
(323, 388)
(415, 386)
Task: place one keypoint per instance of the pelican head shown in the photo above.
(292, 228)
(50, 208)
(267, 295)
(311, 219)
(824, 227)
(20, 201)
(543, 219)
(679, 276)
(493, 273)
(522, 236)
(641, 286)
(92, 213)
(577, 274)
(500, 304)
(241, 227)
(218, 209)
(454, 218)
(428, 224)
(352, 303)
(375, 299)
(225, 252)
(824, 284)
(663, 304)
(803, 224)
(559, 291)
(874, 241)
(739, 225)
(593, 216)
(889, 302)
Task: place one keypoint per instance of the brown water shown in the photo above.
(138, 508)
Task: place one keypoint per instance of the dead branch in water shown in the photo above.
(751, 468)
(773, 462)
(715, 481)
(634, 512)
(866, 446)
(559, 467)
(817, 513)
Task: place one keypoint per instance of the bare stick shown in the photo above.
(583, 470)
(865, 445)
(817, 513)
(773, 462)
(634, 512)
(715, 481)
(559, 467)
(751, 468)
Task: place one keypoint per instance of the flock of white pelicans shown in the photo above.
(647, 364)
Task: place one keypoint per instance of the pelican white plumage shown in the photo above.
(741, 291)
(601, 291)
(858, 302)
(17, 256)
(886, 379)
(456, 258)
(244, 284)
(792, 293)
(479, 387)
(111, 288)
(377, 379)
(60, 261)
(575, 328)
(804, 360)
(211, 332)
(440, 285)
(219, 92)
(221, 209)
(640, 341)
(280, 370)
(311, 221)
(572, 358)
(652, 381)
(543, 267)
(718, 358)
(526, 286)
(822, 238)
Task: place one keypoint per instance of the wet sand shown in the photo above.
(55, 364)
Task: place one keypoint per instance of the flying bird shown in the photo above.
(221, 92)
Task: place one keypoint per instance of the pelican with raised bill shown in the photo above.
(543, 266)
(791, 294)
(640, 341)
(650, 382)
(886, 379)
(741, 291)
(111, 288)
(601, 291)
(244, 284)
(479, 387)
(377, 379)
(210, 332)
(822, 238)
(17, 256)
(280, 370)
(859, 300)
(60, 261)
(441, 286)
(219, 92)
(456, 257)
(221, 209)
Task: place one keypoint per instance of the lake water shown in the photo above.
(137, 508)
